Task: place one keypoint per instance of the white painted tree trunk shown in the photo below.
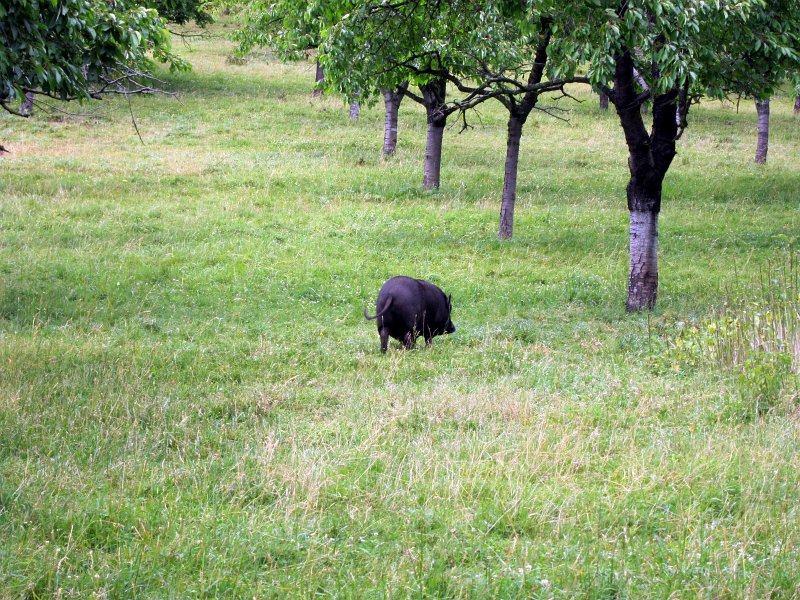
(643, 271)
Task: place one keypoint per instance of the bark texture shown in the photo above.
(643, 271)
(391, 100)
(797, 105)
(433, 156)
(433, 94)
(506, 229)
(603, 101)
(355, 110)
(762, 108)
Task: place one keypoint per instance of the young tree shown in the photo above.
(78, 49)
(796, 82)
(755, 64)
(797, 100)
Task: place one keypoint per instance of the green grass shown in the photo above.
(191, 403)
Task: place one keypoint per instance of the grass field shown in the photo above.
(191, 404)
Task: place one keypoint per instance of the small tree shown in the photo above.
(755, 62)
(391, 101)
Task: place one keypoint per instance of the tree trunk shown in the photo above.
(797, 104)
(433, 94)
(506, 229)
(649, 157)
(433, 154)
(603, 101)
(643, 270)
(391, 99)
(26, 108)
(319, 77)
(355, 110)
(762, 108)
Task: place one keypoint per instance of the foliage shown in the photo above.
(486, 49)
(716, 48)
(291, 28)
(182, 11)
(74, 49)
(754, 59)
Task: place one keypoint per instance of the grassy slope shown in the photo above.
(192, 404)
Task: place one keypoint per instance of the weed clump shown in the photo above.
(755, 336)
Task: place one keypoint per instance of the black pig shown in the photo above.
(407, 308)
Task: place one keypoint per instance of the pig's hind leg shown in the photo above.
(384, 333)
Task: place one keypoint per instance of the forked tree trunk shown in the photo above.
(433, 154)
(649, 157)
(506, 230)
(391, 99)
(319, 77)
(603, 101)
(762, 108)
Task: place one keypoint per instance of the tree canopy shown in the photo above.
(290, 27)
(182, 11)
(77, 49)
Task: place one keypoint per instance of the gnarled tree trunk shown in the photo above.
(391, 99)
(762, 108)
(515, 124)
(643, 207)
